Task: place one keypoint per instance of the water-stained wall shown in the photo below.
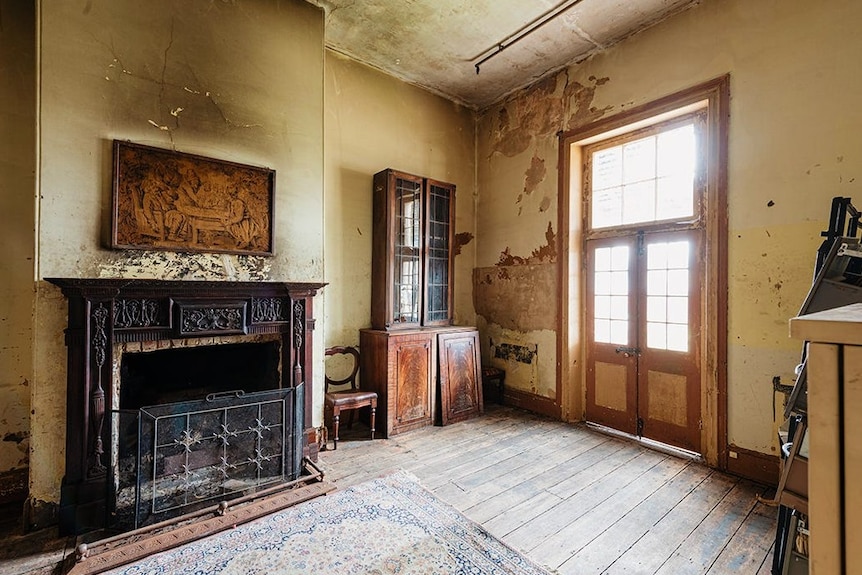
(374, 122)
(240, 81)
(792, 147)
(17, 166)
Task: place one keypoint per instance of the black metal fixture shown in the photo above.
(524, 31)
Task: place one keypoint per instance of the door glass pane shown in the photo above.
(611, 295)
(667, 295)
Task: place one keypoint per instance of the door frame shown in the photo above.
(714, 96)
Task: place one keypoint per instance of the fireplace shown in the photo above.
(142, 351)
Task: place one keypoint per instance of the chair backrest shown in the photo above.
(350, 379)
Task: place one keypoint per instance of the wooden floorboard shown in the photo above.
(573, 499)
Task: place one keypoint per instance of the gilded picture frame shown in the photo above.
(168, 200)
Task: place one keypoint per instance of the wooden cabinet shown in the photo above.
(423, 369)
(412, 259)
(422, 376)
(834, 449)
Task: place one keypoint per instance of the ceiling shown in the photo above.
(436, 44)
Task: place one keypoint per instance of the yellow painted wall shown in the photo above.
(794, 119)
(374, 122)
(17, 166)
(238, 81)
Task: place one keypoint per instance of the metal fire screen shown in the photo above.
(187, 455)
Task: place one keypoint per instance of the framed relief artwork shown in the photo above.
(169, 200)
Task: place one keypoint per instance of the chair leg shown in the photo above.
(336, 416)
(373, 415)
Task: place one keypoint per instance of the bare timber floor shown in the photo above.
(574, 500)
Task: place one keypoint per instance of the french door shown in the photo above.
(643, 318)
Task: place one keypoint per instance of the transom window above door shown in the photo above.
(645, 177)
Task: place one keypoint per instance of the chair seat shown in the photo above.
(340, 399)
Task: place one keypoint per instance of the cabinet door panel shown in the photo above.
(411, 371)
(460, 376)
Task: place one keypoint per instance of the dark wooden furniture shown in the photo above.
(459, 375)
(423, 369)
(349, 399)
(412, 257)
(494, 377)
(422, 375)
(104, 312)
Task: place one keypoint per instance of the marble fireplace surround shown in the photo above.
(106, 312)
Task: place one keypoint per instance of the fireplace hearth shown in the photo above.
(245, 339)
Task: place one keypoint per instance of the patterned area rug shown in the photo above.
(390, 525)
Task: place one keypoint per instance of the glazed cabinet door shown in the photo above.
(412, 258)
(460, 376)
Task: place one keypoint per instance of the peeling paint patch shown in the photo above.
(580, 101)
(17, 437)
(546, 203)
(171, 265)
(535, 112)
(461, 240)
(515, 352)
(544, 254)
(534, 175)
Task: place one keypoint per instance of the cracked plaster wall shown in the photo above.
(793, 146)
(17, 165)
(239, 81)
(375, 122)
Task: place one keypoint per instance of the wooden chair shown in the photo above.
(349, 399)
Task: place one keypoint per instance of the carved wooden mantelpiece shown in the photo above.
(103, 312)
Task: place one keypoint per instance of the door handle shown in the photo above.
(628, 351)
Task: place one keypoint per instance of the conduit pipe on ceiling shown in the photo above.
(524, 31)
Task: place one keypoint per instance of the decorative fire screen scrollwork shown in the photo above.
(187, 455)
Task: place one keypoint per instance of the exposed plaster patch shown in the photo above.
(543, 254)
(160, 127)
(461, 239)
(519, 298)
(545, 205)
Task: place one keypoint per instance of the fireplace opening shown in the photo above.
(198, 424)
(191, 373)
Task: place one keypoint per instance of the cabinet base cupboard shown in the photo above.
(422, 376)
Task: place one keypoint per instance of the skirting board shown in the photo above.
(753, 465)
(531, 402)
